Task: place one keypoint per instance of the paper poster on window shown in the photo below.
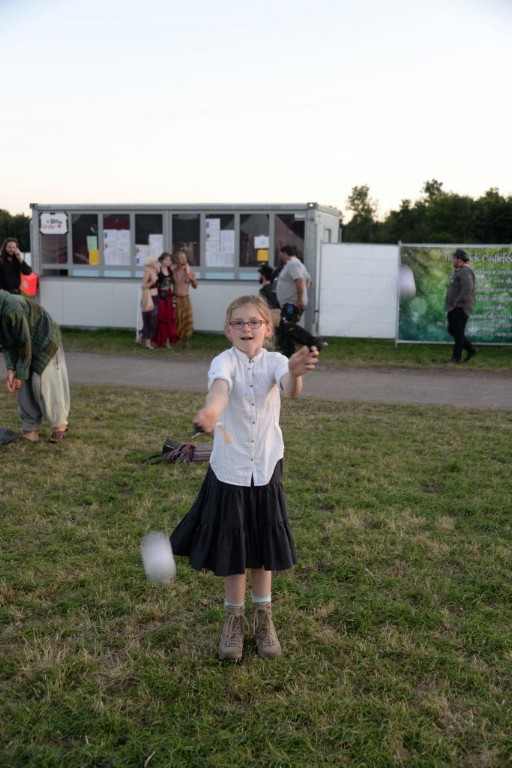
(227, 247)
(116, 244)
(212, 246)
(262, 254)
(212, 230)
(55, 223)
(141, 254)
(93, 250)
(156, 245)
(261, 242)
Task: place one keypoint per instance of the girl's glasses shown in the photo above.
(239, 325)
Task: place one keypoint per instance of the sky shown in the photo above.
(274, 101)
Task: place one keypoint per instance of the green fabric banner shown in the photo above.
(424, 274)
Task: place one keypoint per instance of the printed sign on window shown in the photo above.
(53, 223)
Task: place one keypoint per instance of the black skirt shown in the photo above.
(231, 528)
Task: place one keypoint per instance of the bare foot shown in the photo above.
(30, 437)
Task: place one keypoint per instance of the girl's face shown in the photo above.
(245, 337)
(167, 262)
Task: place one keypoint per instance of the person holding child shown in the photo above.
(239, 520)
(149, 288)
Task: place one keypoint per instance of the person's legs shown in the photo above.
(285, 339)
(232, 639)
(265, 634)
(184, 319)
(456, 325)
(51, 389)
(30, 411)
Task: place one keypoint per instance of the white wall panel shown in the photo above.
(116, 303)
(358, 290)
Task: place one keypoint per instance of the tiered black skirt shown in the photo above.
(231, 528)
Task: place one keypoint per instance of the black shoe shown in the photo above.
(471, 353)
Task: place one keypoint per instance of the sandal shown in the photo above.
(57, 436)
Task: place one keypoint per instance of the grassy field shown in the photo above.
(395, 624)
(360, 352)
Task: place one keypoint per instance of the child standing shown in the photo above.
(239, 520)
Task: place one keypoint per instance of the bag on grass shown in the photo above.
(180, 453)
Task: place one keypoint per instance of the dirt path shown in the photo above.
(458, 386)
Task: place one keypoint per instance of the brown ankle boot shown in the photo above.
(232, 639)
(264, 631)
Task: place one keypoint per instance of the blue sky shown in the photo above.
(271, 102)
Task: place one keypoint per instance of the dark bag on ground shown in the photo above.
(7, 435)
(180, 453)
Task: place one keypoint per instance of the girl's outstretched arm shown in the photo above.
(300, 363)
(216, 400)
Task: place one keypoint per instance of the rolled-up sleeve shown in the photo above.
(222, 367)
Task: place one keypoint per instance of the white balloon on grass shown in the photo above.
(157, 557)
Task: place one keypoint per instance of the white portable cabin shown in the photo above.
(90, 258)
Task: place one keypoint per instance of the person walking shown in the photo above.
(183, 278)
(36, 368)
(459, 304)
(239, 520)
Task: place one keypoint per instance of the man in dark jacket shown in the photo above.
(12, 266)
(459, 304)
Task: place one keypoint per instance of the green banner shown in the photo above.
(424, 275)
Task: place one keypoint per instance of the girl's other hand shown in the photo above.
(303, 361)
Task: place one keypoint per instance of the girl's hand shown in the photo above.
(206, 418)
(303, 361)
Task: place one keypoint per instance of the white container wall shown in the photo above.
(358, 291)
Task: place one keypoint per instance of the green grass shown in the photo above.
(395, 624)
(358, 352)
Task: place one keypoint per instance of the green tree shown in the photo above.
(437, 217)
(432, 189)
(493, 218)
(17, 226)
(407, 225)
(363, 226)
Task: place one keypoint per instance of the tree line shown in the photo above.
(437, 217)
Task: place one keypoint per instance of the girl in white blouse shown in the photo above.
(239, 520)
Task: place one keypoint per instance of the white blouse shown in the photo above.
(248, 441)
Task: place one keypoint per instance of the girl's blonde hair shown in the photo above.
(261, 306)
